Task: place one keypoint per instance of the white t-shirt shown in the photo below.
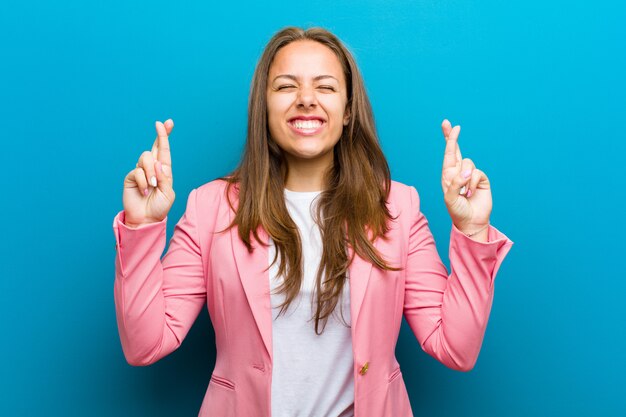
(312, 375)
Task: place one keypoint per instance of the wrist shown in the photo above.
(132, 225)
(474, 230)
(128, 222)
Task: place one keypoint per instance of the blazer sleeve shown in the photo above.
(157, 301)
(448, 313)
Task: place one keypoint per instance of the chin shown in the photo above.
(308, 154)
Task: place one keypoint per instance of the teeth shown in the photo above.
(306, 124)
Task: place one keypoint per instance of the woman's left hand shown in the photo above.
(466, 189)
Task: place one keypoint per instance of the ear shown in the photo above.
(346, 116)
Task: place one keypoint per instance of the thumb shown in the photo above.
(457, 188)
(164, 175)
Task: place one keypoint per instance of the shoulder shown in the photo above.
(211, 206)
(212, 193)
(213, 187)
(401, 194)
(403, 205)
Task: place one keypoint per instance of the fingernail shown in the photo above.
(462, 190)
(153, 181)
(466, 173)
(145, 192)
(469, 193)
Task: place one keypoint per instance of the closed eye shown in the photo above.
(327, 87)
(284, 87)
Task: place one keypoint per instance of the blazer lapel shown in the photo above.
(253, 271)
(360, 270)
(359, 274)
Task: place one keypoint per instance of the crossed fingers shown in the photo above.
(452, 155)
(154, 163)
(456, 170)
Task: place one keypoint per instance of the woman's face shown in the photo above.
(306, 102)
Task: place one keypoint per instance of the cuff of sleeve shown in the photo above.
(491, 252)
(494, 236)
(126, 235)
(132, 243)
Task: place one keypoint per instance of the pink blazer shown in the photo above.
(157, 300)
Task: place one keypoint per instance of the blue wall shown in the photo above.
(538, 88)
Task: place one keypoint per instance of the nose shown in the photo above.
(306, 97)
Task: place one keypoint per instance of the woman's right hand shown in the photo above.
(148, 189)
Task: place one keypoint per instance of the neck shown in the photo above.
(308, 175)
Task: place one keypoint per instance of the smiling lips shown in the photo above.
(306, 126)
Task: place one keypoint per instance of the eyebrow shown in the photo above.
(294, 78)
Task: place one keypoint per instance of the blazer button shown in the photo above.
(364, 368)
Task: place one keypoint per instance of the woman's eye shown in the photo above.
(285, 87)
(327, 87)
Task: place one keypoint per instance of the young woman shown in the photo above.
(307, 255)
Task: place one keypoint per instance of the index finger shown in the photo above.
(161, 146)
(452, 154)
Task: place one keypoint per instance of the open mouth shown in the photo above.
(306, 126)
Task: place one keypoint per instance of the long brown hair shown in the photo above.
(352, 208)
